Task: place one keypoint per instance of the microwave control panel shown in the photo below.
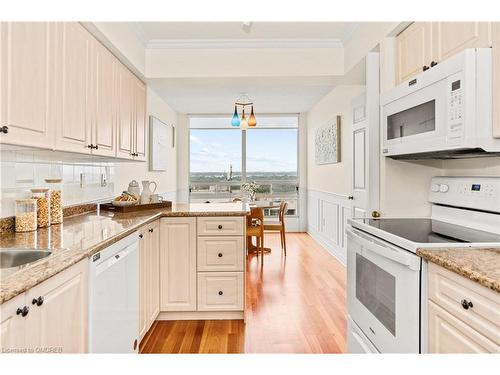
(455, 109)
(456, 102)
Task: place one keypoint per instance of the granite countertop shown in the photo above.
(481, 265)
(82, 236)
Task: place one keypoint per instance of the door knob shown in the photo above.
(375, 214)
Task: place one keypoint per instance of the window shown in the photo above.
(222, 158)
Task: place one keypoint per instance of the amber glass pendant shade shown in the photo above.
(251, 120)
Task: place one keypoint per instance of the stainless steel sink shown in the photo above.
(17, 257)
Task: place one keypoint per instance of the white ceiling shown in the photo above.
(274, 94)
(264, 31)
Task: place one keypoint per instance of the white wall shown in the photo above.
(166, 180)
(332, 178)
(183, 158)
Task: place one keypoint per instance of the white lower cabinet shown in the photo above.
(51, 317)
(149, 276)
(220, 291)
(178, 264)
(464, 316)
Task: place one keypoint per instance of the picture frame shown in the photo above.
(161, 138)
(327, 143)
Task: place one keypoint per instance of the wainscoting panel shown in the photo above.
(327, 219)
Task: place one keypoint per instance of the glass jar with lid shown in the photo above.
(42, 197)
(25, 215)
(56, 208)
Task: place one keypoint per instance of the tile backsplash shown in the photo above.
(83, 182)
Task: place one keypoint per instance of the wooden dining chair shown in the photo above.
(280, 226)
(255, 228)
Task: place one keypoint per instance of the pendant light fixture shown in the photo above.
(236, 120)
(243, 101)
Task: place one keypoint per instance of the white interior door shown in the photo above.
(365, 143)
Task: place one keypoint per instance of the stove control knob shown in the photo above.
(435, 188)
(444, 188)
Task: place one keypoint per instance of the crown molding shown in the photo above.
(242, 43)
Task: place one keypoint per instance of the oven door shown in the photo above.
(383, 292)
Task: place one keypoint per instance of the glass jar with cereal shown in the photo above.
(25, 215)
(42, 197)
(56, 208)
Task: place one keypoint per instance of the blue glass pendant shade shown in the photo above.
(235, 120)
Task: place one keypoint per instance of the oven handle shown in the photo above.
(389, 252)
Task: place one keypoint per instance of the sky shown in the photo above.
(268, 150)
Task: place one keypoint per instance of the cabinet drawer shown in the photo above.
(220, 226)
(220, 253)
(220, 291)
(447, 334)
(448, 290)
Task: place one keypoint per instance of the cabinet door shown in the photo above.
(178, 264)
(60, 323)
(495, 38)
(451, 38)
(126, 111)
(26, 83)
(12, 325)
(154, 271)
(143, 281)
(447, 334)
(104, 100)
(74, 128)
(414, 47)
(140, 128)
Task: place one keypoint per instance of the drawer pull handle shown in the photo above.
(219, 227)
(467, 304)
(220, 293)
(219, 255)
(23, 312)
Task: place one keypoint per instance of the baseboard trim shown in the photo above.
(200, 315)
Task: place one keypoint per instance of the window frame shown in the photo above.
(244, 153)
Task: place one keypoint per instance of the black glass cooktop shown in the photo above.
(431, 231)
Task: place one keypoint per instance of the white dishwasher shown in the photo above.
(114, 298)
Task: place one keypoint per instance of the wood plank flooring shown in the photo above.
(295, 304)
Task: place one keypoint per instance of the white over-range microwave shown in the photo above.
(444, 112)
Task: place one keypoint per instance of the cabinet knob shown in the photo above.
(350, 197)
(425, 67)
(96, 147)
(433, 64)
(151, 230)
(23, 312)
(220, 293)
(467, 304)
(4, 129)
(91, 146)
(219, 255)
(140, 236)
(220, 226)
(37, 301)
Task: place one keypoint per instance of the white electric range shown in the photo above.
(385, 283)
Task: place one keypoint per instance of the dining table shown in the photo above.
(262, 205)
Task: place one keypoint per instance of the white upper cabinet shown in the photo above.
(105, 101)
(414, 49)
(74, 126)
(27, 83)
(140, 131)
(453, 37)
(125, 123)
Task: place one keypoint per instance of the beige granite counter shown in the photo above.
(476, 264)
(82, 236)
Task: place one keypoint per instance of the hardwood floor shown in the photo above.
(295, 304)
